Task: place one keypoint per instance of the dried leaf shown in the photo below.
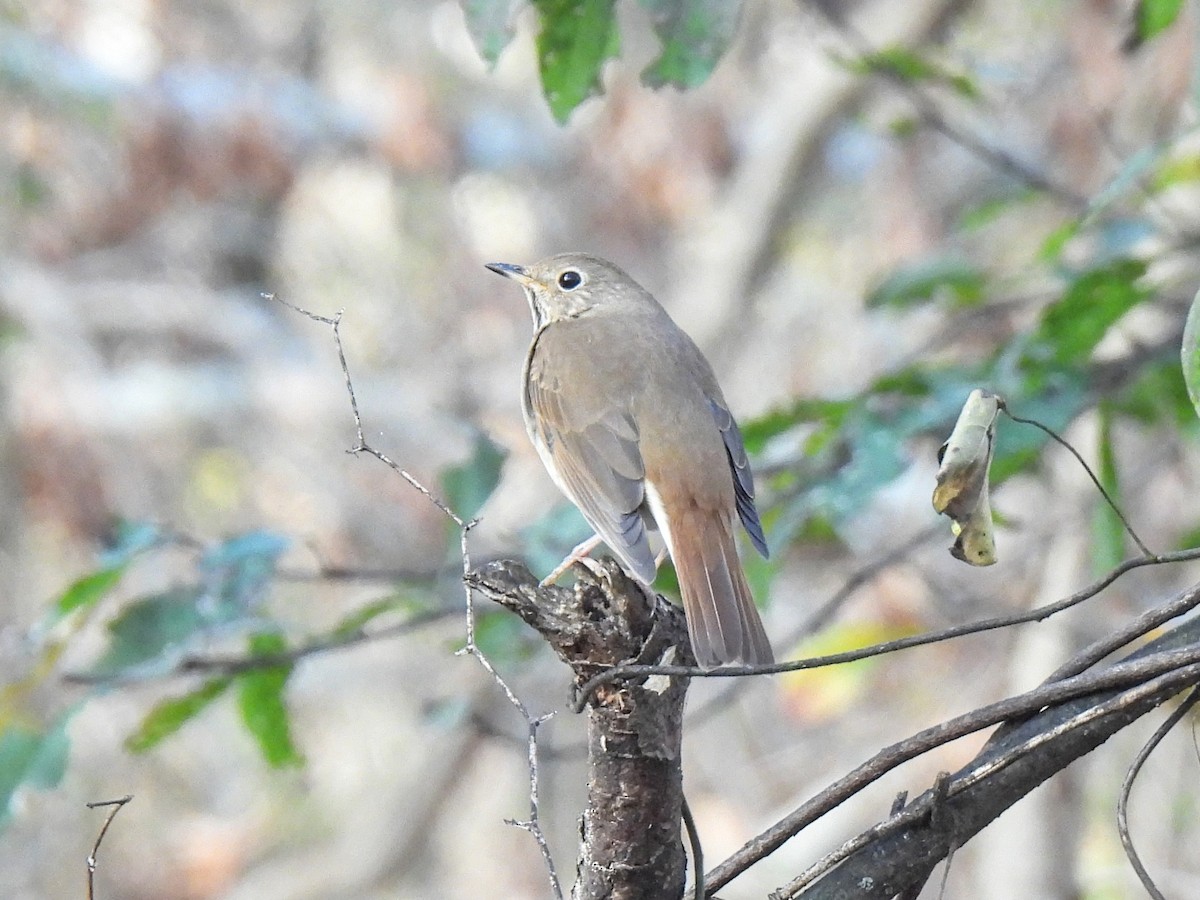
(962, 479)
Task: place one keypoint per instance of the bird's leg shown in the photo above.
(581, 551)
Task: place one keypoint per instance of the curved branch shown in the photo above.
(1036, 614)
(1174, 658)
(1127, 787)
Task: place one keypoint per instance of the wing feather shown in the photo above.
(598, 465)
(743, 478)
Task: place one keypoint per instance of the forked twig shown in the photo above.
(471, 648)
(91, 860)
(1127, 788)
(1137, 680)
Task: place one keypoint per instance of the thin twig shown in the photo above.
(190, 664)
(1185, 601)
(932, 116)
(1092, 475)
(1182, 668)
(1127, 787)
(693, 833)
(1170, 664)
(856, 580)
(1036, 614)
(533, 824)
(946, 873)
(91, 860)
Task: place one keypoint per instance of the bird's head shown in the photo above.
(571, 284)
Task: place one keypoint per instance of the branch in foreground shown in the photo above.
(632, 846)
(1127, 788)
(1019, 757)
(1037, 614)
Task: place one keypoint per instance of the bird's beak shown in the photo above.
(509, 270)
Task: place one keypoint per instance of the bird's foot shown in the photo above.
(580, 552)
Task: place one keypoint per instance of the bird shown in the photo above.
(629, 421)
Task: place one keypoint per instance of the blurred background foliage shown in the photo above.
(860, 210)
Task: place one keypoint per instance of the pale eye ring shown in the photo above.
(570, 279)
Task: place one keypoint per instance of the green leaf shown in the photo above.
(828, 413)
(168, 716)
(1190, 539)
(88, 590)
(694, 35)
(576, 38)
(908, 65)
(1190, 353)
(152, 627)
(489, 22)
(930, 279)
(1157, 395)
(468, 486)
(1156, 16)
(1183, 169)
(1071, 327)
(505, 639)
(32, 757)
(354, 622)
(1052, 246)
(984, 213)
(260, 700)
(1108, 533)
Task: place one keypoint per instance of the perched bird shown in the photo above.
(628, 418)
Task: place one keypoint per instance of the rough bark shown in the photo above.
(631, 845)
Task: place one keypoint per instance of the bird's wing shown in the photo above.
(743, 478)
(596, 462)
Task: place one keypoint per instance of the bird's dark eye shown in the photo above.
(569, 280)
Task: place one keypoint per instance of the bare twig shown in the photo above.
(693, 833)
(1092, 475)
(932, 116)
(1178, 664)
(856, 580)
(1127, 787)
(1036, 614)
(531, 824)
(471, 648)
(1141, 687)
(192, 664)
(91, 860)
(1185, 601)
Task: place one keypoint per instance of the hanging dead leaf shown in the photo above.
(962, 479)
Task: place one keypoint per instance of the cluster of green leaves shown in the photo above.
(823, 459)
(841, 451)
(154, 635)
(576, 37)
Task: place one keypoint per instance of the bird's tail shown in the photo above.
(722, 620)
